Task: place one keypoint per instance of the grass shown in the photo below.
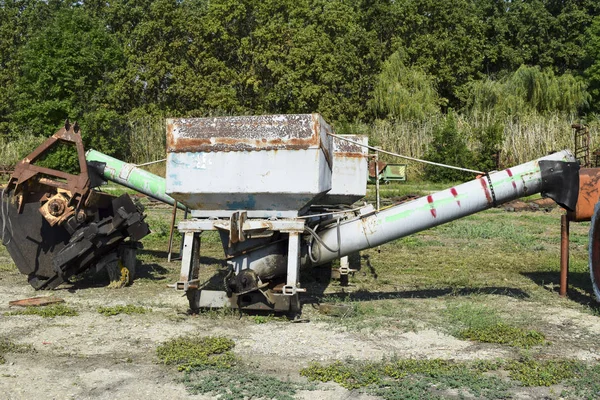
(432, 378)
(482, 323)
(7, 346)
(197, 352)
(128, 309)
(210, 367)
(543, 373)
(411, 378)
(55, 310)
(7, 267)
(505, 334)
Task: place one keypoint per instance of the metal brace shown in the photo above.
(344, 268)
(236, 227)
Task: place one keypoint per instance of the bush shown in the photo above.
(449, 146)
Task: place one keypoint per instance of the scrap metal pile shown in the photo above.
(56, 225)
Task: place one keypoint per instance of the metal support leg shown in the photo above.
(190, 262)
(564, 254)
(172, 231)
(293, 269)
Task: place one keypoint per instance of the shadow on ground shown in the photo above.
(579, 288)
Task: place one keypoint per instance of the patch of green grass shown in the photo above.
(128, 309)
(584, 385)
(239, 384)
(483, 324)
(263, 319)
(211, 368)
(7, 267)
(412, 241)
(191, 352)
(7, 346)
(486, 229)
(55, 310)
(542, 373)
(410, 378)
(471, 315)
(505, 334)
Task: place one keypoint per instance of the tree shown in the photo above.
(592, 72)
(528, 90)
(445, 38)
(449, 146)
(404, 93)
(66, 72)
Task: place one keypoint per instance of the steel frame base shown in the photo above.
(238, 226)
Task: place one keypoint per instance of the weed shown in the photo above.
(505, 334)
(197, 352)
(542, 373)
(56, 310)
(7, 346)
(409, 378)
(128, 309)
(584, 385)
(263, 319)
(7, 267)
(237, 384)
(483, 324)
(210, 368)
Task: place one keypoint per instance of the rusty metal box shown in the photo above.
(350, 170)
(270, 165)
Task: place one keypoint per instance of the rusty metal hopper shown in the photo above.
(271, 165)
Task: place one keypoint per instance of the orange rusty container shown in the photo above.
(589, 194)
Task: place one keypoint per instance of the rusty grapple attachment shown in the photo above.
(55, 225)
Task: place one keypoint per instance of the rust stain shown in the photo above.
(250, 133)
(380, 167)
(349, 155)
(589, 194)
(488, 195)
(35, 301)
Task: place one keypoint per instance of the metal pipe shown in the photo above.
(564, 254)
(133, 177)
(377, 179)
(438, 208)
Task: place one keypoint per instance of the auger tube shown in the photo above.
(555, 175)
(132, 177)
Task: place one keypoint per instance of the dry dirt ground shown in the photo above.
(92, 356)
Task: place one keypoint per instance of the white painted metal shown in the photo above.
(271, 166)
(293, 265)
(350, 171)
(189, 259)
(468, 198)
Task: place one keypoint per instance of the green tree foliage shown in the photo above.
(65, 73)
(404, 93)
(529, 89)
(445, 38)
(592, 72)
(113, 63)
(449, 146)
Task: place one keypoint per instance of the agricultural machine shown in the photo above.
(280, 190)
